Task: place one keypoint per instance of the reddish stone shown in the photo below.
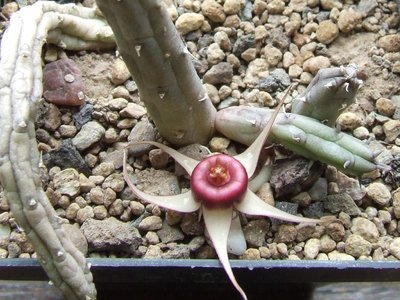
(63, 83)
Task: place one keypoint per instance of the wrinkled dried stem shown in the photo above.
(71, 27)
(162, 68)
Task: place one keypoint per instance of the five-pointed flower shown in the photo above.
(219, 185)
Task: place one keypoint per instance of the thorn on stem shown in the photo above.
(330, 84)
(138, 48)
(297, 139)
(32, 203)
(346, 86)
(252, 122)
(22, 124)
(346, 164)
(203, 99)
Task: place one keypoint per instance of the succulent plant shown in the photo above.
(219, 185)
(162, 68)
(328, 94)
(70, 27)
(303, 135)
(170, 88)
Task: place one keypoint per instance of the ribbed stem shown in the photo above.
(20, 92)
(162, 69)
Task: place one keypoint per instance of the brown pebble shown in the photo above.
(63, 83)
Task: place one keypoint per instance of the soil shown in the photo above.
(356, 48)
(96, 71)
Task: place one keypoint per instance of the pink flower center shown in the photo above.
(219, 180)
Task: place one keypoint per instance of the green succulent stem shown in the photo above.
(303, 135)
(162, 68)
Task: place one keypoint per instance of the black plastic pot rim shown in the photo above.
(203, 271)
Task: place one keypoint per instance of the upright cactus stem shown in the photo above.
(162, 68)
(331, 91)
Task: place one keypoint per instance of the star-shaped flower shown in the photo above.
(219, 185)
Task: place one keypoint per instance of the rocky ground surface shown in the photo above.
(247, 52)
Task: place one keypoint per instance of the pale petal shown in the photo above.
(236, 240)
(252, 205)
(182, 202)
(249, 158)
(186, 162)
(218, 222)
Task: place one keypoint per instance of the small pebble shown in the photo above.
(117, 104)
(357, 246)
(232, 6)
(327, 244)
(311, 248)
(120, 72)
(188, 22)
(66, 182)
(100, 212)
(391, 129)
(190, 224)
(336, 231)
(84, 213)
(327, 32)
(89, 134)
(378, 193)
(219, 73)
(361, 133)
(150, 223)
(390, 43)
(219, 144)
(9, 8)
(137, 208)
(133, 110)
(158, 158)
(394, 248)
(255, 232)
(286, 234)
(348, 121)
(348, 20)
(385, 107)
(282, 249)
(365, 228)
(213, 10)
(115, 182)
(111, 235)
(314, 64)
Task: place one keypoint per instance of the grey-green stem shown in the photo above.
(328, 94)
(68, 26)
(301, 134)
(162, 68)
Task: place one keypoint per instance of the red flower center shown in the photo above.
(219, 180)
